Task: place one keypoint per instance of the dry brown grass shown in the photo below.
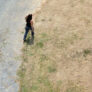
(60, 58)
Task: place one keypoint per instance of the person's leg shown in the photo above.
(26, 32)
(32, 32)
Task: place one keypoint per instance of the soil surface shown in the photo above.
(60, 60)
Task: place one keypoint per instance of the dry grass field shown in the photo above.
(60, 58)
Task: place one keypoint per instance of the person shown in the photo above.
(29, 26)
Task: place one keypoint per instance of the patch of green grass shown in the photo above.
(22, 32)
(42, 84)
(31, 54)
(25, 59)
(43, 58)
(51, 69)
(34, 87)
(74, 89)
(40, 44)
(21, 74)
(86, 52)
(25, 53)
(44, 35)
(58, 85)
(75, 36)
(24, 50)
(47, 84)
(24, 88)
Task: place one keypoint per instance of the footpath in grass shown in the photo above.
(59, 57)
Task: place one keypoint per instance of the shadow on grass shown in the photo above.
(30, 41)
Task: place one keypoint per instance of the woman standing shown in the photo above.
(29, 26)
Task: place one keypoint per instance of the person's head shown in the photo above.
(29, 17)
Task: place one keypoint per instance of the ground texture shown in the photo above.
(12, 22)
(59, 59)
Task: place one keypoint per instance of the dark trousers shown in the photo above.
(27, 30)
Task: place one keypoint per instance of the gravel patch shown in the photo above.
(12, 13)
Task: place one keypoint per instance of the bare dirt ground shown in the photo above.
(60, 58)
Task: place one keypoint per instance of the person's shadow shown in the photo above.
(30, 41)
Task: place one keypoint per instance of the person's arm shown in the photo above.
(32, 25)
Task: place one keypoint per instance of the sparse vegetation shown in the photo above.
(71, 87)
(86, 52)
(51, 69)
(39, 44)
(60, 52)
(74, 89)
